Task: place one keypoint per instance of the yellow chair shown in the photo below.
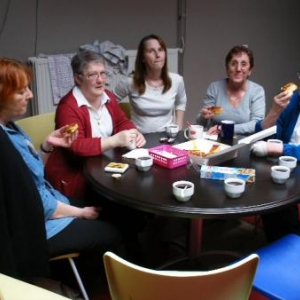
(128, 281)
(14, 289)
(125, 106)
(38, 127)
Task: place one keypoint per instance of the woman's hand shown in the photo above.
(281, 101)
(213, 130)
(66, 210)
(262, 148)
(90, 212)
(124, 138)
(140, 139)
(206, 112)
(59, 138)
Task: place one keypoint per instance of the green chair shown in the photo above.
(38, 127)
(125, 106)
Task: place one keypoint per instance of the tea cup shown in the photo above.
(280, 174)
(183, 190)
(193, 132)
(234, 187)
(274, 141)
(144, 163)
(132, 145)
(172, 130)
(288, 161)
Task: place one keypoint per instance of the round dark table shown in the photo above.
(152, 191)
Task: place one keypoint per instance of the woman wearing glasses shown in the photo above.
(241, 100)
(102, 124)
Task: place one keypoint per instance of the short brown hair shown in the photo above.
(239, 49)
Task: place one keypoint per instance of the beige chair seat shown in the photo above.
(128, 281)
(14, 289)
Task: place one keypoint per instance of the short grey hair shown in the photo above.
(82, 59)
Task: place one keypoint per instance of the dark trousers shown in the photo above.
(92, 238)
(131, 222)
(85, 236)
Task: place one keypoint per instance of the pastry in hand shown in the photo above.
(290, 87)
(71, 128)
(216, 110)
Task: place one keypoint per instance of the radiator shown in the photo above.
(45, 101)
(41, 86)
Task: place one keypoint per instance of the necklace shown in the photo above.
(155, 83)
(235, 98)
(97, 115)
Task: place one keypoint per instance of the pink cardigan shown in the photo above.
(64, 168)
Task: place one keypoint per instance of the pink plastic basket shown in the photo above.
(170, 163)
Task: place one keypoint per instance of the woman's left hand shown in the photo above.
(140, 140)
(262, 148)
(60, 138)
(213, 130)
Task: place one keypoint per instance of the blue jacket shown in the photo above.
(49, 196)
(285, 126)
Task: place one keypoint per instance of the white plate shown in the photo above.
(224, 153)
(201, 144)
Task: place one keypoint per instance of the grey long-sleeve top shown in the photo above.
(246, 115)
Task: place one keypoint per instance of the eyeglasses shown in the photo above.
(95, 75)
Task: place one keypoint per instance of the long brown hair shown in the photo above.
(14, 76)
(140, 68)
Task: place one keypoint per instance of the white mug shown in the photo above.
(132, 145)
(172, 130)
(226, 129)
(193, 132)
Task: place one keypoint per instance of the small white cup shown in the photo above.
(132, 145)
(234, 187)
(280, 174)
(144, 163)
(183, 190)
(274, 141)
(193, 132)
(288, 161)
(172, 130)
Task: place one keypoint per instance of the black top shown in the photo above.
(23, 242)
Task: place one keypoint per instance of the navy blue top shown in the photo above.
(285, 126)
